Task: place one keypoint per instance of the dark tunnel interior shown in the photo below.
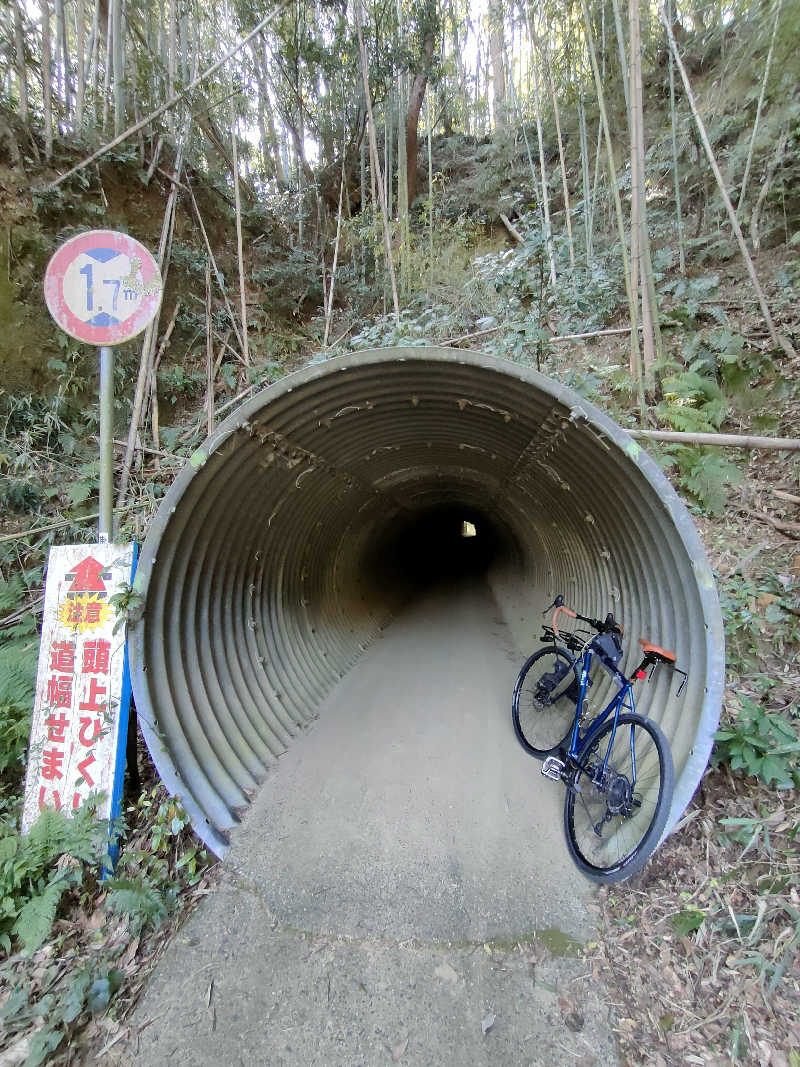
(439, 546)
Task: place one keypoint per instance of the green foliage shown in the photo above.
(687, 921)
(32, 881)
(692, 402)
(707, 478)
(706, 474)
(18, 658)
(753, 613)
(175, 383)
(762, 744)
(143, 903)
(150, 874)
(58, 1013)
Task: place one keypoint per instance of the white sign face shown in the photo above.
(102, 287)
(80, 712)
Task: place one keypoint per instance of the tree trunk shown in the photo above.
(376, 166)
(415, 99)
(47, 83)
(19, 48)
(612, 175)
(118, 39)
(650, 337)
(80, 88)
(497, 53)
(675, 173)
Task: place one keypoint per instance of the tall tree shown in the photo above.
(497, 51)
(427, 34)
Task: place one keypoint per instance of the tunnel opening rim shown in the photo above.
(580, 410)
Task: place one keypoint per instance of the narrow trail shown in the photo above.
(400, 879)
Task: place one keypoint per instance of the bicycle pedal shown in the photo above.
(553, 768)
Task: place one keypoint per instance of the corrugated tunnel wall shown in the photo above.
(313, 512)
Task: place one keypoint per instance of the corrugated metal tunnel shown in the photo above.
(324, 503)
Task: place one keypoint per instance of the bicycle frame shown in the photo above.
(623, 701)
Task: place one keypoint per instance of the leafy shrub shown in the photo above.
(32, 881)
(762, 744)
(706, 474)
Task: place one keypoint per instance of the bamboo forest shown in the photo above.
(607, 195)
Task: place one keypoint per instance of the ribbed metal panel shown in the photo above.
(262, 577)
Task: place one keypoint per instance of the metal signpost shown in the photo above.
(102, 288)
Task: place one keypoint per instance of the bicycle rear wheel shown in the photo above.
(614, 819)
(545, 697)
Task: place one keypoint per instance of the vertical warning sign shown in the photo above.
(80, 713)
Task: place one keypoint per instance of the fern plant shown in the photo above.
(707, 475)
(18, 656)
(32, 882)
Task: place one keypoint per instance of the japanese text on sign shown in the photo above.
(76, 717)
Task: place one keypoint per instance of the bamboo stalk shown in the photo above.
(765, 188)
(726, 440)
(675, 175)
(239, 247)
(585, 178)
(47, 85)
(214, 266)
(743, 190)
(209, 355)
(19, 55)
(651, 332)
(430, 181)
(376, 165)
(540, 44)
(329, 309)
(169, 104)
(623, 63)
(154, 376)
(612, 174)
(548, 232)
(778, 340)
(151, 332)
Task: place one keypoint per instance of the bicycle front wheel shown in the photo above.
(616, 811)
(545, 697)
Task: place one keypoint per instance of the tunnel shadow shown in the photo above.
(439, 549)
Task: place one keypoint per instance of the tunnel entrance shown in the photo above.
(332, 501)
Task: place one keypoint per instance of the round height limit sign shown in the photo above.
(102, 287)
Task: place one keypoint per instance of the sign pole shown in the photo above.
(102, 288)
(105, 531)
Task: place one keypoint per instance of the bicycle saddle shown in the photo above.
(658, 653)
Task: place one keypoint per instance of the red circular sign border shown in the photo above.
(54, 294)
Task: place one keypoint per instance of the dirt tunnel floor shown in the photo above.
(399, 835)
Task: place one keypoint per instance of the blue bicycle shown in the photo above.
(617, 767)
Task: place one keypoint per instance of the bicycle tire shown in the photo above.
(543, 717)
(635, 828)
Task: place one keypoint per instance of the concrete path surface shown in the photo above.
(399, 891)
